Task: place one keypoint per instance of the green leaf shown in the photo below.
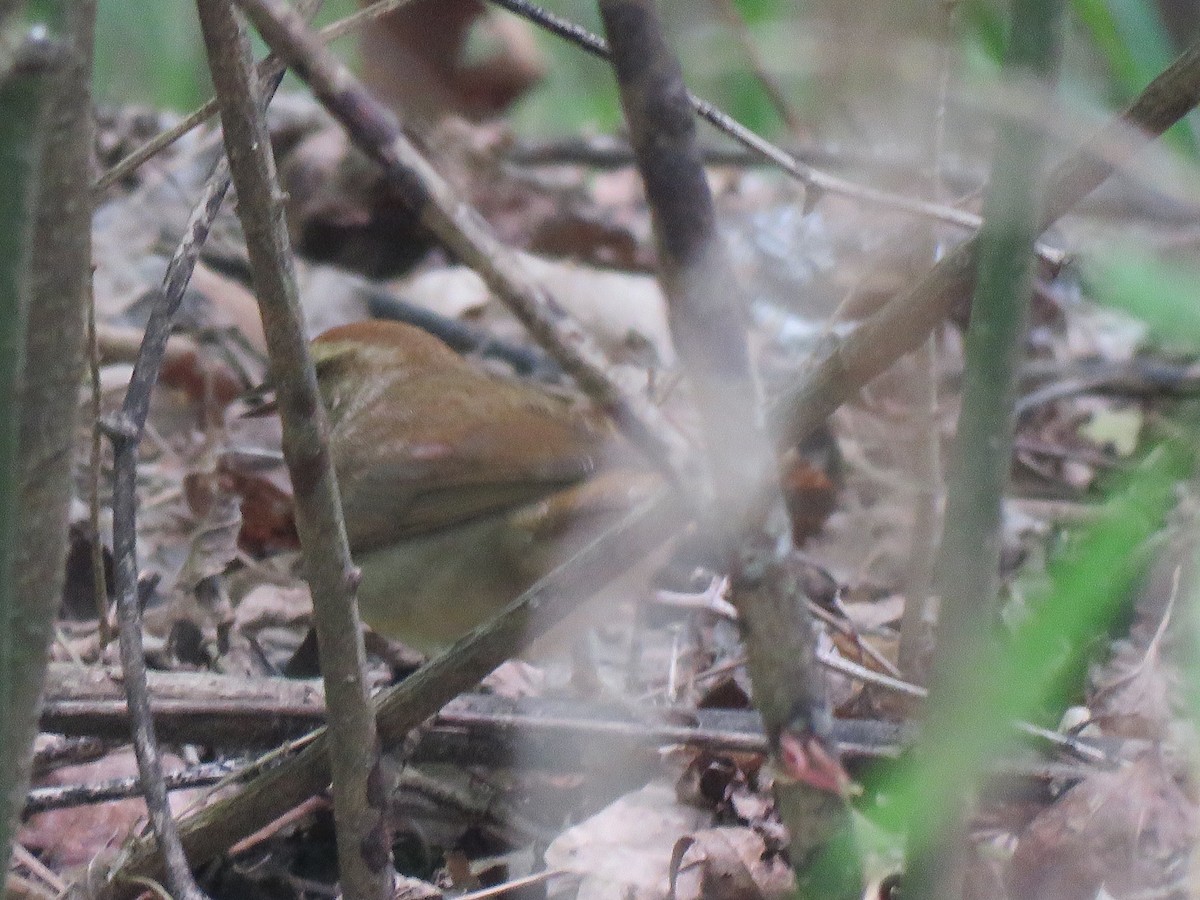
(1166, 296)
(1134, 43)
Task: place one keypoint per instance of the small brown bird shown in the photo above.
(460, 489)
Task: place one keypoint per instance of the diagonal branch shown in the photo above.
(360, 790)
(814, 179)
(268, 69)
(377, 132)
(708, 323)
(846, 365)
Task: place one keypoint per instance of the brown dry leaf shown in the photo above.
(268, 519)
(272, 605)
(516, 679)
(79, 588)
(214, 542)
(728, 864)
(65, 838)
(514, 203)
(207, 381)
(18, 887)
(253, 465)
(199, 608)
(625, 312)
(1135, 701)
(407, 888)
(187, 366)
(417, 59)
(625, 849)
(232, 305)
(1139, 691)
(587, 234)
(342, 210)
(1128, 832)
(843, 690)
(810, 494)
(871, 615)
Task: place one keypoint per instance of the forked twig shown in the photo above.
(267, 69)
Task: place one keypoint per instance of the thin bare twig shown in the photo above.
(813, 179)
(467, 338)
(376, 131)
(99, 581)
(360, 785)
(845, 365)
(736, 22)
(68, 795)
(269, 68)
(188, 707)
(604, 151)
(484, 730)
(59, 749)
(517, 884)
(22, 857)
(125, 432)
(926, 465)
(194, 707)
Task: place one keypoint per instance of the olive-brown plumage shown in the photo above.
(459, 489)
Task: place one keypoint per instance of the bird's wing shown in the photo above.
(411, 468)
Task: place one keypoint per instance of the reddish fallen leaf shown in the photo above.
(806, 758)
(268, 525)
(810, 492)
(75, 836)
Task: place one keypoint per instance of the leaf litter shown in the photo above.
(216, 540)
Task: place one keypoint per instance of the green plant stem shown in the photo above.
(966, 578)
(21, 102)
(59, 272)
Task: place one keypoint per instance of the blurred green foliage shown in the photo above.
(1131, 38)
(150, 53)
(1035, 672)
(1125, 41)
(1159, 293)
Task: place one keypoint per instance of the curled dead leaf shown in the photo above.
(728, 864)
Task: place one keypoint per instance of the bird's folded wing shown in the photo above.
(403, 475)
